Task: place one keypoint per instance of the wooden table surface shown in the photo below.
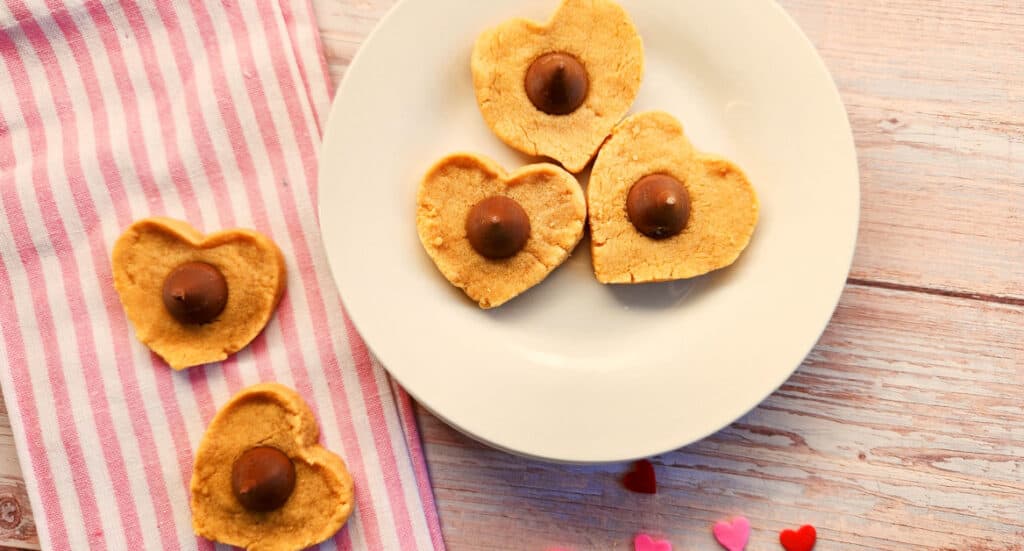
(904, 428)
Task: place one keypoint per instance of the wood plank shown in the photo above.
(344, 24)
(935, 92)
(904, 429)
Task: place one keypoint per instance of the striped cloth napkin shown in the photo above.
(207, 111)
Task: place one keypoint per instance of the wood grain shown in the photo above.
(904, 429)
(935, 92)
(898, 432)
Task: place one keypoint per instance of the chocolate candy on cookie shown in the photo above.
(557, 83)
(263, 479)
(195, 293)
(658, 206)
(497, 227)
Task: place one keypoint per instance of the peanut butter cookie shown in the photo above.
(195, 299)
(558, 89)
(261, 481)
(492, 234)
(660, 210)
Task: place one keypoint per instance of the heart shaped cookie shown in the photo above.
(195, 299)
(558, 89)
(493, 234)
(260, 479)
(660, 210)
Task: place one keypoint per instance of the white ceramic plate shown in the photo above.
(573, 370)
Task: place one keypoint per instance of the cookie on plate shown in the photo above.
(495, 234)
(260, 479)
(557, 89)
(196, 299)
(661, 210)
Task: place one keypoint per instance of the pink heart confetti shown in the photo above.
(643, 542)
(733, 535)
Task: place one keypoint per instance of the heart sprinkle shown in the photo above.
(641, 479)
(733, 535)
(799, 540)
(643, 542)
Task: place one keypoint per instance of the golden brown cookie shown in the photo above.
(260, 479)
(527, 222)
(648, 183)
(529, 98)
(195, 299)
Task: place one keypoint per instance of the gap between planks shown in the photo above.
(935, 291)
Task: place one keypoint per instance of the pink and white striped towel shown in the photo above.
(208, 111)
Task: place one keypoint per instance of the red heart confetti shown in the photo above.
(641, 479)
(800, 540)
